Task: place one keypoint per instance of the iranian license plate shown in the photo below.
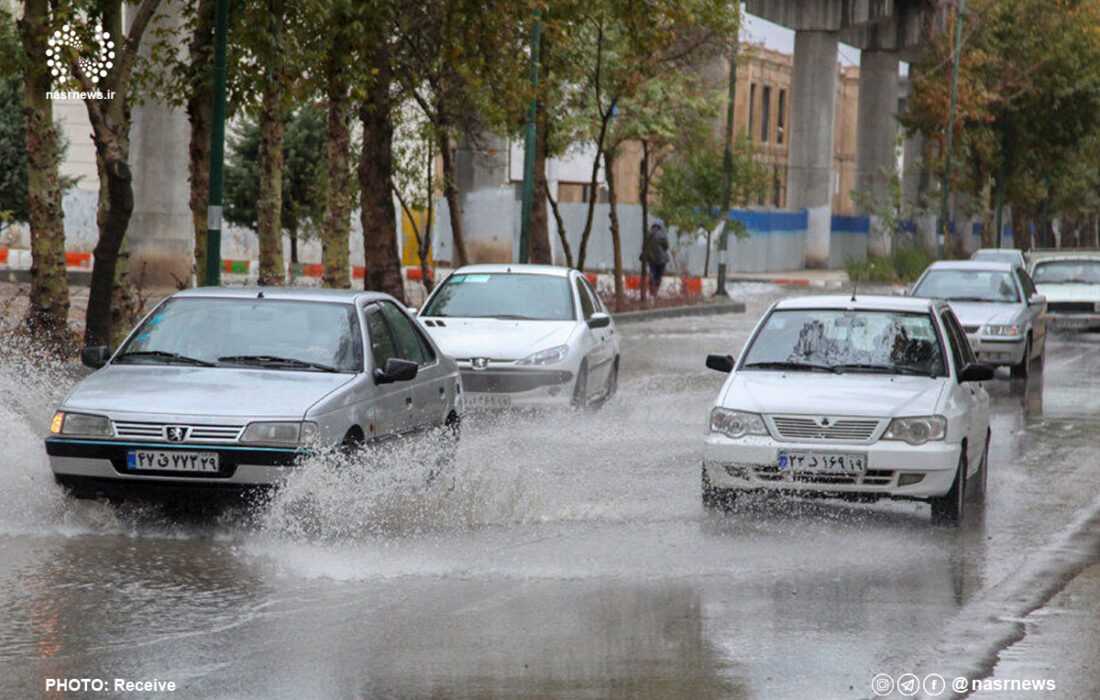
(475, 401)
(822, 462)
(196, 462)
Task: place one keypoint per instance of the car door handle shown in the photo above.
(442, 394)
(408, 402)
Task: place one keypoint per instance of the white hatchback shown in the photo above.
(854, 398)
(525, 336)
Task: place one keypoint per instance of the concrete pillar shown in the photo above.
(161, 236)
(877, 126)
(813, 112)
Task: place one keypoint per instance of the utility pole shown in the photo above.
(945, 222)
(217, 151)
(727, 166)
(529, 147)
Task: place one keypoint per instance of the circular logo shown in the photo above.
(908, 685)
(66, 45)
(934, 685)
(960, 685)
(882, 684)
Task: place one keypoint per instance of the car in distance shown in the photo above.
(232, 387)
(999, 307)
(1012, 256)
(525, 336)
(868, 398)
(1070, 279)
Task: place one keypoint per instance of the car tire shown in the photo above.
(976, 485)
(715, 498)
(612, 386)
(949, 508)
(1019, 371)
(580, 388)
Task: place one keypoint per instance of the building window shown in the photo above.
(752, 105)
(765, 112)
(779, 115)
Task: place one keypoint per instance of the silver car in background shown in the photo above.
(998, 306)
(1070, 280)
(1013, 256)
(232, 387)
(525, 336)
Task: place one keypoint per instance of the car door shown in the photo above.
(1036, 313)
(595, 339)
(394, 401)
(431, 400)
(970, 397)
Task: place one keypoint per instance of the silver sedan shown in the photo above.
(232, 387)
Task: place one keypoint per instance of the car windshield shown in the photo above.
(504, 295)
(1003, 256)
(1067, 272)
(968, 285)
(247, 332)
(835, 340)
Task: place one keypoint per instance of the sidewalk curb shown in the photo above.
(789, 281)
(77, 277)
(706, 309)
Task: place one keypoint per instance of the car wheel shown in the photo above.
(715, 498)
(948, 509)
(580, 389)
(1019, 371)
(612, 386)
(976, 486)
(76, 488)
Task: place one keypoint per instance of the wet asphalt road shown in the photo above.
(571, 559)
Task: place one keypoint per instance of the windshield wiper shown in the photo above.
(276, 361)
(887, 369)
(168, 357)
(793, 365)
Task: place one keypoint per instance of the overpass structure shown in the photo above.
(886, 32)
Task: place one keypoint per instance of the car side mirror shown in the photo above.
(976, 373)
(95, 357)
(1036, 299)
(395, 370)
(599, 320)
(722, 363)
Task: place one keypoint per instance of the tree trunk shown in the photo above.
(337, 222)
(593, 188)
(48, 315)
(124, 311)
(199, 114)
(616, 240)
(450, 191)
(383, 264)
(269, 202)
(643, 196)
(539, 242)
(561, 230)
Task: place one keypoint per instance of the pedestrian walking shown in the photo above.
(655, 254)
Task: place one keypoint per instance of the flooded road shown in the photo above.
(572, 558)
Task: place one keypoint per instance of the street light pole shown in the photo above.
(217, 150)
(944, 220)
(529, 147)
(727, 166)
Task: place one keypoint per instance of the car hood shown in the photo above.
(202, 391)
(463, 338)
(1070, 292)
(972, 313)
(877, 395)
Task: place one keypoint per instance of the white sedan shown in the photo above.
(525, 336)
(860, 399)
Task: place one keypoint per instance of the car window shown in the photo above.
(410, 344)
(1067, 272)
(960, 345)
(595, 297)
(1026, 283)
(867, 340)
(587, 307)
(506, 295)
(968, 285)
(382, 346)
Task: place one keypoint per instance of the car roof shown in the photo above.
(1065, 254)
(345, 296)
(1015, 251)
(860, 302)
(515, 268)
(971, 265)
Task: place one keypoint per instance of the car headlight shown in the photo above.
(917, 430)
(1009, 331)
(80, 424)
(288, 433)
(736, 424)
(546, 357)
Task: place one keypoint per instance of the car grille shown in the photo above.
(808, 429)
(196, 433)
(1073, 307)
(511, 380)
(873, 477)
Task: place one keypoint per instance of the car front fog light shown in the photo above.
(286, 433)
(80, 424)
(917, 430)
(736, 424)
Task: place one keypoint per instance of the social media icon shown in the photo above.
(934, 684)
(882, 684)
(908, 685)
(960, 685)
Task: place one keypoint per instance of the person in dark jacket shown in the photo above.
(655, 254)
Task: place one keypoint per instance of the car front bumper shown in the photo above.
(998, 351)
(96, 460)
(752, 462)
(516, 388)
(1071, 321)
